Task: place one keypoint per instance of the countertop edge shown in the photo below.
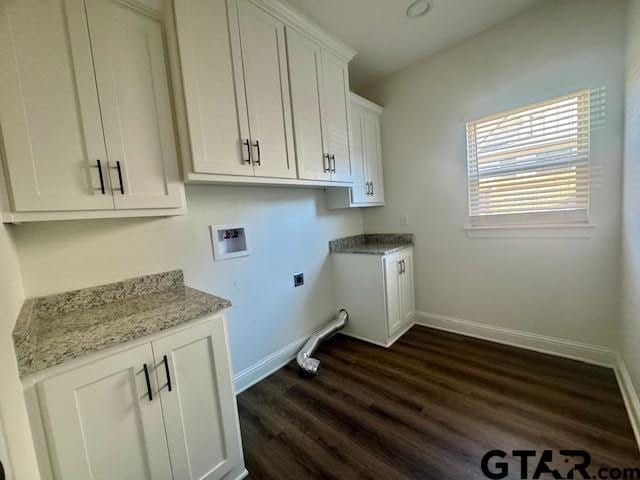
(25, 331)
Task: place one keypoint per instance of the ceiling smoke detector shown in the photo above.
(418, 8)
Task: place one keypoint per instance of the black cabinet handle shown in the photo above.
(326, 166)
(333, 162)
(119, 168)
(166, 370)
(246, 143)
(371, 183)
(101, 177)
(257, 145)
(146, 376)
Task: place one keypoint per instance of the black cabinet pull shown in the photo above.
(371, 183)
(326, 166)
(246, 143)
(166, 370)
(257, 145)
(101, 177)
(333, 162)
(146, 376)
(119, 168)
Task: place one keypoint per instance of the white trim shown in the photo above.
(268, 365)
(630, 396)
(546, 230)
(366, 104)
(293, 17)
(593, 354)
(220, 179)
(390, 341)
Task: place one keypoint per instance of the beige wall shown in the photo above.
(630, 338)
(289, 231)
(561, 287)
(13, 413)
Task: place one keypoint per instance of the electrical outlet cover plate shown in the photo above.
(229, 241)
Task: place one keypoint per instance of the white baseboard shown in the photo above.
(265, 367)
(584, 352)
(630, 396)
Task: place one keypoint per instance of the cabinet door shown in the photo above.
(200, 410)
(133, 89)
(407, 293)
(101, 423)
(267, 87)
(304, 75)
(51, 127)
(216, 109)
(335, 100)
(392, 285)
(373, 157)
(359, 188)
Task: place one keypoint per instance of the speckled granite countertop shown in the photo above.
(372, 243)
(51, 330)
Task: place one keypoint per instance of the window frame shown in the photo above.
(528, 219)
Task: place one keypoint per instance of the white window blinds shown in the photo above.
(530, 163)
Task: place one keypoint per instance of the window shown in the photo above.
(531, 165)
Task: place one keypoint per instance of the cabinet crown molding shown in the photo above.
(304, 24)
(368, 104)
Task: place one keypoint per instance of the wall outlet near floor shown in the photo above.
(298, 280)
(404, 220)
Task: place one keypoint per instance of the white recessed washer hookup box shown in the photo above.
(229, 241)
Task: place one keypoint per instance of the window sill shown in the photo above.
(547, 230)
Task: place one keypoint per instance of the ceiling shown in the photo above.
(387, 41)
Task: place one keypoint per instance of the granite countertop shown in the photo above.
(372, 243)
(57, 328)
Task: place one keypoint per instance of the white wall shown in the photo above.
(567, 288)
(13, 413)
(290, 229)
(630, 338)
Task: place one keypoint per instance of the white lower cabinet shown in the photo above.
(378, 292)
(160, 410)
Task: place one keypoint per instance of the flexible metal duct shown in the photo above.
(309, 366)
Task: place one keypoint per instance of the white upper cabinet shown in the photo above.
(335, 93)
(264, 62)
(84, 88)
(216, 110)
(373, 158)
(134, 98)
(257, 110)
(305, 73)
(366, 159)
(360, 188)
(49, 112)
(320, 101)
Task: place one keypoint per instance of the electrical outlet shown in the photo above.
(298, 280)
(404, 220)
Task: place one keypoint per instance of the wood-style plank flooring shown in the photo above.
(430, 407)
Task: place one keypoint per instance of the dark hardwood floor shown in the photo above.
(430, 407)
